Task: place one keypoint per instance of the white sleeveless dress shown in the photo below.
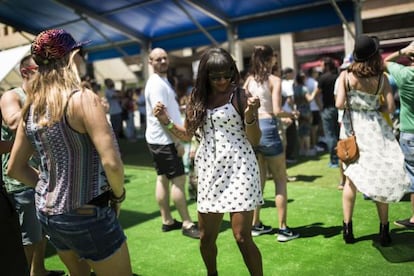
(228, 173)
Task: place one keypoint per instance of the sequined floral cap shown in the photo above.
(53, 44)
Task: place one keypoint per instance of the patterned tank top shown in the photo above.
(71, 172)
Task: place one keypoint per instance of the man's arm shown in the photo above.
(11, 109)
(406, 51)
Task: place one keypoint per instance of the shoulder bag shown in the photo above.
(347, 149)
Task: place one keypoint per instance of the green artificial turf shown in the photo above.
(314, 210)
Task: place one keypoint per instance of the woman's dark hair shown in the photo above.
(374, 66)
(213, 60)
(329, 65)
(261, 55)
(300, 78)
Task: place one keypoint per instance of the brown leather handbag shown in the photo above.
(347, 149)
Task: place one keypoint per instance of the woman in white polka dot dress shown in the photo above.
(225, 118)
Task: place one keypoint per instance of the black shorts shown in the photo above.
(166, 160)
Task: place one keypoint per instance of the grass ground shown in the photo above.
(314, 210)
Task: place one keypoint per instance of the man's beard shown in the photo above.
(163, 70)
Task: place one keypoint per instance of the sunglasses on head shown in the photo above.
(31, 67)
(217, 77)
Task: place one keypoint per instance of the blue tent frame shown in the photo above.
(124, 27)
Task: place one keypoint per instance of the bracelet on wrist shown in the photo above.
(120, 198)
(169, 125)
(399, 52)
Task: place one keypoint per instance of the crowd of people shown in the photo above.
(62, 170)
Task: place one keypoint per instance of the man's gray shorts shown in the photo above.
(24, 202)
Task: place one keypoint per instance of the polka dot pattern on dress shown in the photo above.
(228, 173)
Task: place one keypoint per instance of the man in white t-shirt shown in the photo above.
(161, 142)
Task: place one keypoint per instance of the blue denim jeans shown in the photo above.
(407, 147)
(330, 126)
(92, 232)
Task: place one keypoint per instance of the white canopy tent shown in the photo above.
(115, 69)
(10, 60)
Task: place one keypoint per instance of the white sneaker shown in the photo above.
(286, 234)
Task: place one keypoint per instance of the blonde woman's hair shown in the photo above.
(50, 88)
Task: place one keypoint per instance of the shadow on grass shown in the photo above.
(401, 249)
(129, 218)
(304, 159)
(268, 203)
(136, 153)
(307, 178)
(312, 230)
(317, 229)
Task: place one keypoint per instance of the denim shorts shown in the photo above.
(30, 227)
(407, 147)
(92, 232)
(270, 142)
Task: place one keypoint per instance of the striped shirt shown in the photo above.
(71, 172)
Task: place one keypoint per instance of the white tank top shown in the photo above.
(262, 90)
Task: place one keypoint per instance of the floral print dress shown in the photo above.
(379, 173)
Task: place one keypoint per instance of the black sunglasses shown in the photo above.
(218, 77)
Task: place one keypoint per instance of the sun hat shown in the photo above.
(365, 48)
(348, 59)
(53, 44)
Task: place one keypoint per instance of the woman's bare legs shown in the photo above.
(382, 209)
(162, 195)
(74, 264)
(118, 264)
(384, 231)
(263, 172)
(277, 165)
(241, 224)
(348, 200)
(209, 227)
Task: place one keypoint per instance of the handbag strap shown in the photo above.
(380, 83)
(347, 106)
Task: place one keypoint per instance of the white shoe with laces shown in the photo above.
(286, 234)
